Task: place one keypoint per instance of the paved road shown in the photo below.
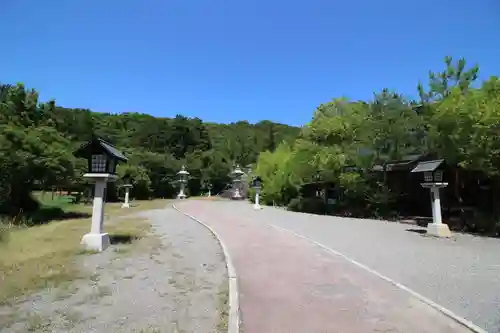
(288, 284)
(462, 274)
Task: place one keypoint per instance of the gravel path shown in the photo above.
(461, 274)
(288, 284)
(173, 287)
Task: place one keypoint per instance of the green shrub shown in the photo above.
(307, 205)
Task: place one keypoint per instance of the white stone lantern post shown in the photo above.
(433, 180)
(102, 159)
(206, 185)
(257, 185)
(127, 188)
(209, 187)
(236, 175)
(183, 179)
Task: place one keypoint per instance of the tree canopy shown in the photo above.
(456, 118)
(37, 141)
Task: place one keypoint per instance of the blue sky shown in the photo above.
(224, 60)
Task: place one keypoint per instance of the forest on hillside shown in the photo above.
(37, 141)
(455, 118)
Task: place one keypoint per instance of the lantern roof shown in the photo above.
(99, 146)
(237, 170)
(183, 171)
(427, 166)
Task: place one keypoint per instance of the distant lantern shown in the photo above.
(127, 185)
(257, 185)
(102, 158)
(183, 179)
(236, 175)
(127, 179)
(433, 180)
(208, 186)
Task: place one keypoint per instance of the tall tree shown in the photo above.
(442, 83)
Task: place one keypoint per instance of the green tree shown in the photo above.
(453, 76)
(276, 170)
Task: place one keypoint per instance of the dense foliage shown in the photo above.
(37, 141)
(454, 119)
(350, 144)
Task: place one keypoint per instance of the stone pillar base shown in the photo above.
(125, 205)
(257, 207)
(95, 242)
(181, 196)
(438, 230)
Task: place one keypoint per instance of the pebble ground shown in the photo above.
(171, 288)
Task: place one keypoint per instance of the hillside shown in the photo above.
(37, 141)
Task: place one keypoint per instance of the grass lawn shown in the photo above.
(43, 256)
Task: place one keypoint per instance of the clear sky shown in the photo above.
(228, 60)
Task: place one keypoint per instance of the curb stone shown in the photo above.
(234, 306)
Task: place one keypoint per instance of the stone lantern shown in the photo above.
(127, 186)
(183, 179)
(433, 180)
(236, 175)
(206, 185)
(102, 159)
(209, 187)
(257, 185)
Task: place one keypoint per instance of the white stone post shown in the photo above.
(436, 206)
(437, 227)
(183, 179)
(209, 193)
(432, 204)
(257, 203)
(96, 239)
(181, 194)
(126, 204)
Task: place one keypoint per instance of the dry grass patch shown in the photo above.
(40, 257)
(37, 323)
(44, 256)
(114, 209)
(223, 295)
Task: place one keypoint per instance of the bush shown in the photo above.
(381, 201)
(307, 205)
(46, 214)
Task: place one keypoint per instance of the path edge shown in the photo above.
(234, 303)
(448, 313)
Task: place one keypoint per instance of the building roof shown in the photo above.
(427, 166)
(404, 164)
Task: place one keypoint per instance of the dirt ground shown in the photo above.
(174, 280)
